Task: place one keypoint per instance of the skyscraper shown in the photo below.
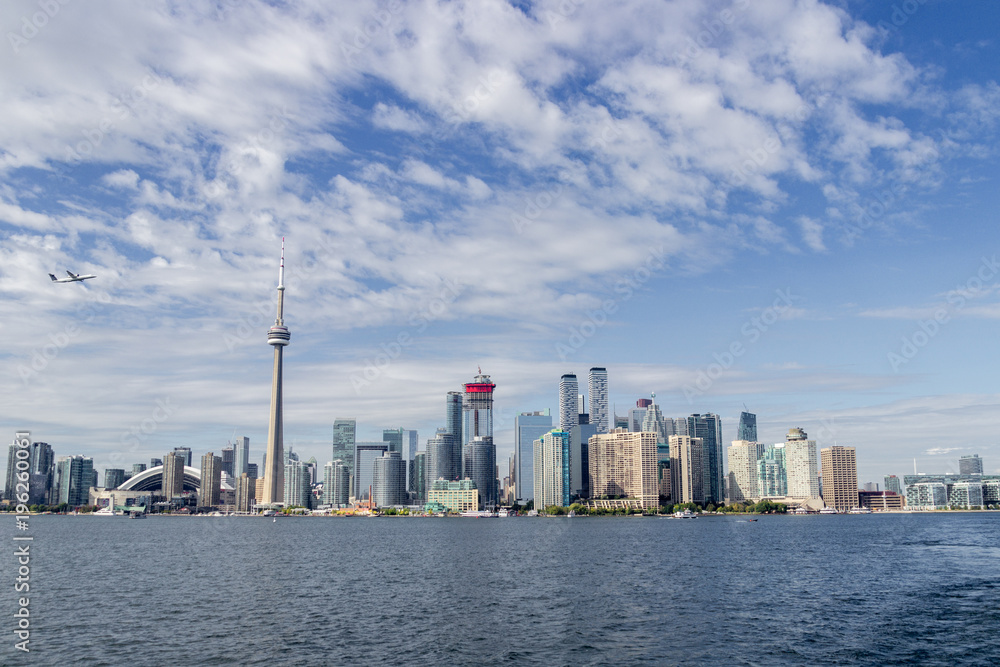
(970, 465)
(241, 456)
(708, 428)
(211, 480)
(439, 457)
(772, 473)
(743, 456)
(479, 454)
(43, 474)
(336, 481)
(297, 483)
(365, 454)
(453, 426)
(394, 437)
(569, 408)
(246, 493)
(278, 336)
(228, 460)
(173, 475)
(598, 388)
(76, 475)
(528, 427)
(840, 477)
(892, 484)
(747, 429)
(389, 480)
(420, 477)
(653, 421)
(801, 465)
(185, 452)
(113, 478)
(551, 468)
(687, 479)
(344, 429)
(624, 464)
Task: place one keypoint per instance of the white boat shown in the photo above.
(686, 514)
(860, 510)
(503, 512)
(482, 514)
(105, 511)
(828, 510)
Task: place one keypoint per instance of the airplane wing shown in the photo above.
(72, 275)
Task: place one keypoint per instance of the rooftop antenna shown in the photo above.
(914, 466)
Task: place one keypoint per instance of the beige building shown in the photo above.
(258, 488)
(840, 477)
(173, 475)
(800, 465)
(686, 470)
(461, 496)
(624, 464)
(211, 480)
(246, 493)
(743, 456)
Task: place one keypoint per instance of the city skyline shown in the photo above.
(809, 233)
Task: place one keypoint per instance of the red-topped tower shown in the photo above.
(479, 455)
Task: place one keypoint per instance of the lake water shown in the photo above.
(785, 590)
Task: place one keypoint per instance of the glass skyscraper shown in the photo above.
(598, 388)
(708, 428)
(552, 469)
(389, 480)
(336, 484)
(241, 456)
(479, 454)
(747, 429)
(528, 427)
(365, 454)
(343, 441)
(76, 474)
(569, 405)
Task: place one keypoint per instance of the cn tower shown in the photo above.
(278, 336)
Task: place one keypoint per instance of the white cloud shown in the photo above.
(123, 178)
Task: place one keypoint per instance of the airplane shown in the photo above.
(73, 278)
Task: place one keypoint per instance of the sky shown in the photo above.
(783, 206)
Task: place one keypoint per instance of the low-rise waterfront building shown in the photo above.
(454, 496)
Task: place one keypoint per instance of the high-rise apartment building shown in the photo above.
(840, 477)
(743, 455)
(246, 493)
(389, 480)
(801, 465)
(228, 460)
(453, 426)
(241, 456)
(479, 454)
(687, 478)
(440, 462)
(528, 427)
(481, 467)
(747, 429)
(970, 465)
(624, 464)
(569, 406)
(336, 484)
(344, 429)
(552, 469)
(772, 478)
(365, 454)
(113, 477)
(420, 477)
(597, 383)
(173, 475)
(708, 428)
(211, 480)
(43, 474)
(298, 490)
(253, 471)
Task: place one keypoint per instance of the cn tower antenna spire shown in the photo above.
(281, 268)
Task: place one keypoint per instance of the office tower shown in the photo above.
(892, 484)
(653, 421)
(772, 478)
(622, 422)
(479, 455)
(743, 456)
(42, 474)
(297, 487)
(246, 493)
(253, 471)
(420, 477)
(113, 478)
(579, 457)
(186, 453)
(278, 337)
(624, 464)
(313, 465)
(687, 478)
(154, 462)
(336, 484)
(394, 438)
(389, 480)
(344, 429)
(528, 427)
(173, 475)
(801, 465)
(228, 460)
(410, 443)
(552, 469)
(211, 480)
(138, 468)
(76, 474)
(365, 454)
(637, 414)
(481, 467)
(970, 465)
(241, 456)
(840, 477)
(747, 429)
(569, 407)
(708, 428)
(597, 385)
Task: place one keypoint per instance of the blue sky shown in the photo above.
(533, 188)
